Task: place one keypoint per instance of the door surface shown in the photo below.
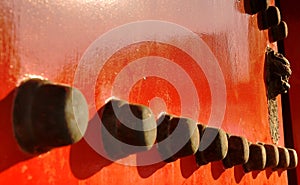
(199, 59)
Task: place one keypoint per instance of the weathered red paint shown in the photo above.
(48, 38)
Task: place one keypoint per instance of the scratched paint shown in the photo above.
(48, 38)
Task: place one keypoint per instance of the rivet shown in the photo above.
(272, 155)
(254, 6)
(278, 32)
(270, 17)
(238, 152)
(176, 137)
(257, 158)
(284, 159)
(127, 128)
(293, 159)
(213, 145)
(48, 115)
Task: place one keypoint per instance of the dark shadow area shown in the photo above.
(188, 166)
(280, 172)
(255, 174)
(85, 161)
(149, 162)
(147, 171)
(289, 11)
(238, 173)
(261, 22)
(217, 169)
(247, 7)
(269, 172)
(266, 73)
(10, 153)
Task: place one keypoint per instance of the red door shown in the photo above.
(197, 59)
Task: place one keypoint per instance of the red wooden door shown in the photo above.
(199, 59)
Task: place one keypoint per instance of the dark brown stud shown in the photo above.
(293, 159)
(127, 128)
(257, 158)
(48, 115)
(213, 145)
(254, 6)
(278, 32)
(272, 155)
(238, 151)
(284, 159)
(176, 137)
(199, 158)
(270, 17)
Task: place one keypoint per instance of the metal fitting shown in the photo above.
(254, 6)
(278, 73)
(270, 17)
(278, 32)
(293, 158)
(284, 159)
(272, 154)
(213, 145)
(257, 158)
(48, 115)
(238, 152)
(126, 128)
(176, 137)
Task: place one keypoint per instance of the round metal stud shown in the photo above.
(127, 128)
(257, 158)
(270, 17)
(177, 137)
(278, 32)
(48, 115)
(254, 6)
(238, 152)
(284, 159)
(293, 158)
(272, 155)
(213, 145)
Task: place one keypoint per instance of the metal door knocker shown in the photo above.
(278, 72)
